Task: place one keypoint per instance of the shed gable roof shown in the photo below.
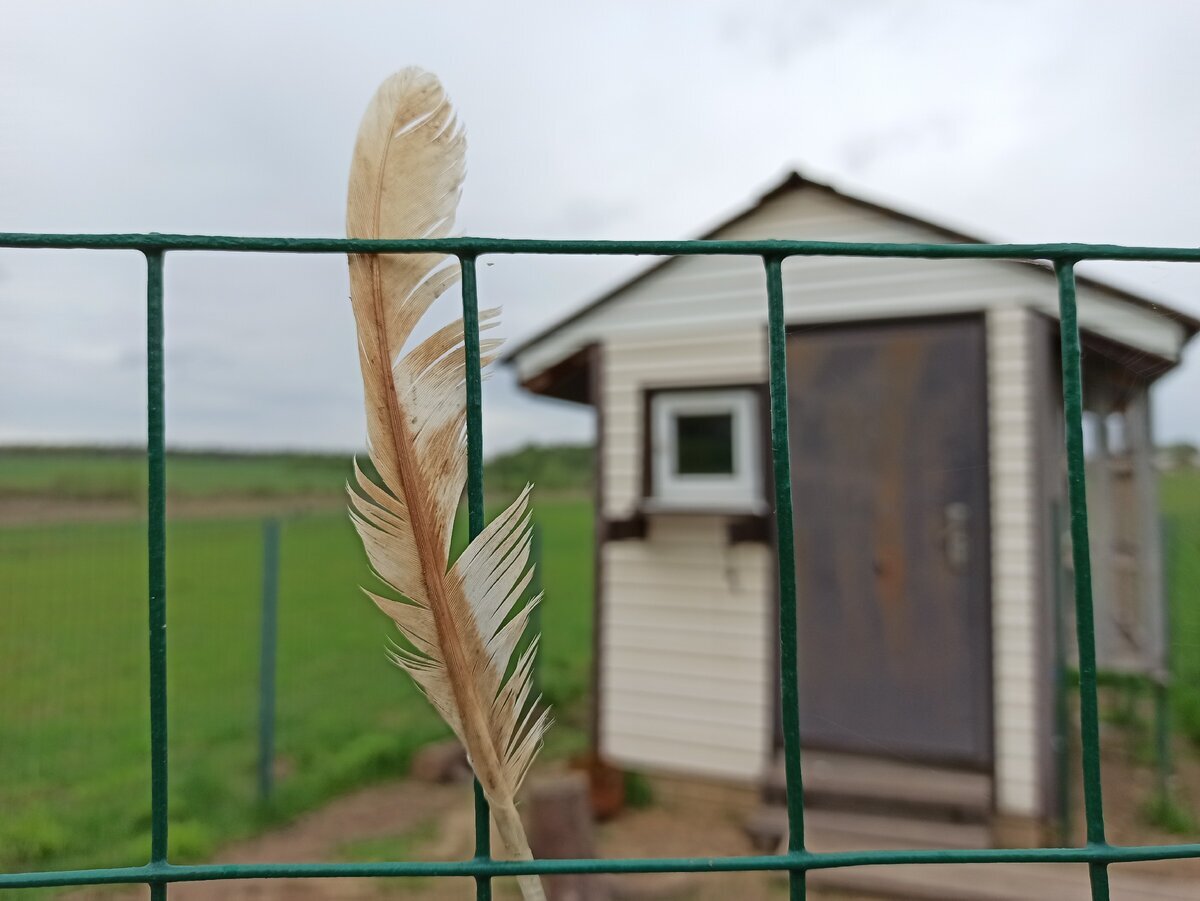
(794, 181)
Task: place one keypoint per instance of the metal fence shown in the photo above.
(1097, 854)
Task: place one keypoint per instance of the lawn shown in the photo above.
(120, 473)
(74, 751)
(1181, 517)
(73, 660)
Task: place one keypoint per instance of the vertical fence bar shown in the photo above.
(157, 562)
(1165, 680)
(266, 657)
(1062, 726)
(1085, 627)
(786, 554)
(475, 523)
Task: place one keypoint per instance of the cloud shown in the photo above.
(627, 120)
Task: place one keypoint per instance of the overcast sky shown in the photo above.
(1024, 121)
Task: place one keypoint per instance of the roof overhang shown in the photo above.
(562, 377)
(569, 379)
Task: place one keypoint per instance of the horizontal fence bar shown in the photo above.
(807, 860)
(478, 246)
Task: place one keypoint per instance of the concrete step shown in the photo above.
(839, 830)
(873, 785)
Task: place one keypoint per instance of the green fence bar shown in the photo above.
(1062, 725)
(786, 560)
(1097, 853)
(474, 247)
(1085, 626)
(1165, 680)
(156, 541)
(807, 860)
(266, 657)
(475, 518)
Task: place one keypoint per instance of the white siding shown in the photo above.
(1012, 408)
(687, 645)
(688, 621)
(679, 357)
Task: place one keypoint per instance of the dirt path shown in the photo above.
(410, 820)
(385, 814)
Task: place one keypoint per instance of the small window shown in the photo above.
(704, 444)
(705, 449)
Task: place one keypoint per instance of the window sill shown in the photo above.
(663, 506)
(744, 523)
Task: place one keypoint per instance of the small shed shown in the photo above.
(929, 488)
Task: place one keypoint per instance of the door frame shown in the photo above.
(988, 735)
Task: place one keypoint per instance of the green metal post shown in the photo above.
(475, 519)
(1162, 737)
(266, 657)
(156, 538)
(1062, 732)
(786, 554)
(1162, 684)
(1085, 627)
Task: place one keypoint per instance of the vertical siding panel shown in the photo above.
(1014, 561)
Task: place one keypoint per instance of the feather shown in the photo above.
(462, 623)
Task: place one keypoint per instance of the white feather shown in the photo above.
(462, 623)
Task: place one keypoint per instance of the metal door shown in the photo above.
(889, 468)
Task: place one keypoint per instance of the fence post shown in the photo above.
(266, 670)
(1062, 727)
(1165, 679)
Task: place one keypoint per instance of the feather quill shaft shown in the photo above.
(462, 623)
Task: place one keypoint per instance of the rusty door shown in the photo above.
(889, 468)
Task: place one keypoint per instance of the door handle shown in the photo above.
(955, 543)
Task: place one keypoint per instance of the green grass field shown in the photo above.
(1181, 516)
(74, 750)
(120, 473)
(73, 660)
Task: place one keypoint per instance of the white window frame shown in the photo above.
(742, 490)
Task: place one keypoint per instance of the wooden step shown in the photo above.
(838, 830)
(873, 785)
(996, 882)
(841, 831)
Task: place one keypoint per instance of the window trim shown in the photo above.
(745, 491)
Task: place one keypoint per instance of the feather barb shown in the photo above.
(462, 623)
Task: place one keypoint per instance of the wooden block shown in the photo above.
(1012, 831)
(559, 815)
(441, 761)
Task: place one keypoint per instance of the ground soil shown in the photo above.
(431, 822)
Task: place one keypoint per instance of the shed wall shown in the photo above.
(1016, 574)
(688, 631)
(689, 621)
